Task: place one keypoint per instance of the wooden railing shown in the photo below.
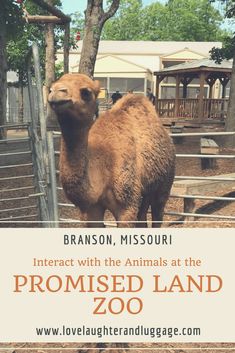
(166, 107)
(215, 108)
(188, 108)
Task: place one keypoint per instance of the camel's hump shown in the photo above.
(133, 101)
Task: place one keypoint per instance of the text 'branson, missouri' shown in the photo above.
(122, 239)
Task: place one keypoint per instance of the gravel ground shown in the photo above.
(135, 348)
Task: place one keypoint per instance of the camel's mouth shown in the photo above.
(60, 103)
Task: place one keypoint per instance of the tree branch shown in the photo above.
(44, 19)
(112, 10)
(53, 10)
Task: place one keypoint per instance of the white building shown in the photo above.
(129, 65)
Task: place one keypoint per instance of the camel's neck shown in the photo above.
(74, 145)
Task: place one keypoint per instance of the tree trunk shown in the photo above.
(50, 56)
(230, 121)
(66, 47)
(3, 73)
(21, 99)
(93, 28)
(94, 21)
(49, 69)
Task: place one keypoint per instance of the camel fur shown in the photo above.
(123, 162)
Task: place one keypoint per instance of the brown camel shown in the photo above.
(123, 162)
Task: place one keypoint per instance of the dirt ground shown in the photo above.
(135, 348)
(184, 167)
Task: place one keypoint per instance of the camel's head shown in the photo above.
(74, 96)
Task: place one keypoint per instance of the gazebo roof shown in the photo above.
(196, 66)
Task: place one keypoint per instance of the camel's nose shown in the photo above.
(58, 96)
(59, 100)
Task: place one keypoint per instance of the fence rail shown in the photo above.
(212, 178)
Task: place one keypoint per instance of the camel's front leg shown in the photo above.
(95, 217)
(126, 218)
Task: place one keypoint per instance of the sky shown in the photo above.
(70, 6)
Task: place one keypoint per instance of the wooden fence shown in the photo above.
(188, 108)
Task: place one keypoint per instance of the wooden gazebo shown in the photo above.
(200, 107)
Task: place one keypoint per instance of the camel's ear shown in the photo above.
(96, 87)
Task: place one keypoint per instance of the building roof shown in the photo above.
(150, 47)
(198, 65)
(110, 63)
(182, 52)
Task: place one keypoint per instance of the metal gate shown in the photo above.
(25, 178)
(18, 190)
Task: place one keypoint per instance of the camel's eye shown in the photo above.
(64, 90)
(86, 94)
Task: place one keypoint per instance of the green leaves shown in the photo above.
(226, 52)
(179, 20)
(228, 49)
(13, 17)
(127, 23)
(21, 35)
